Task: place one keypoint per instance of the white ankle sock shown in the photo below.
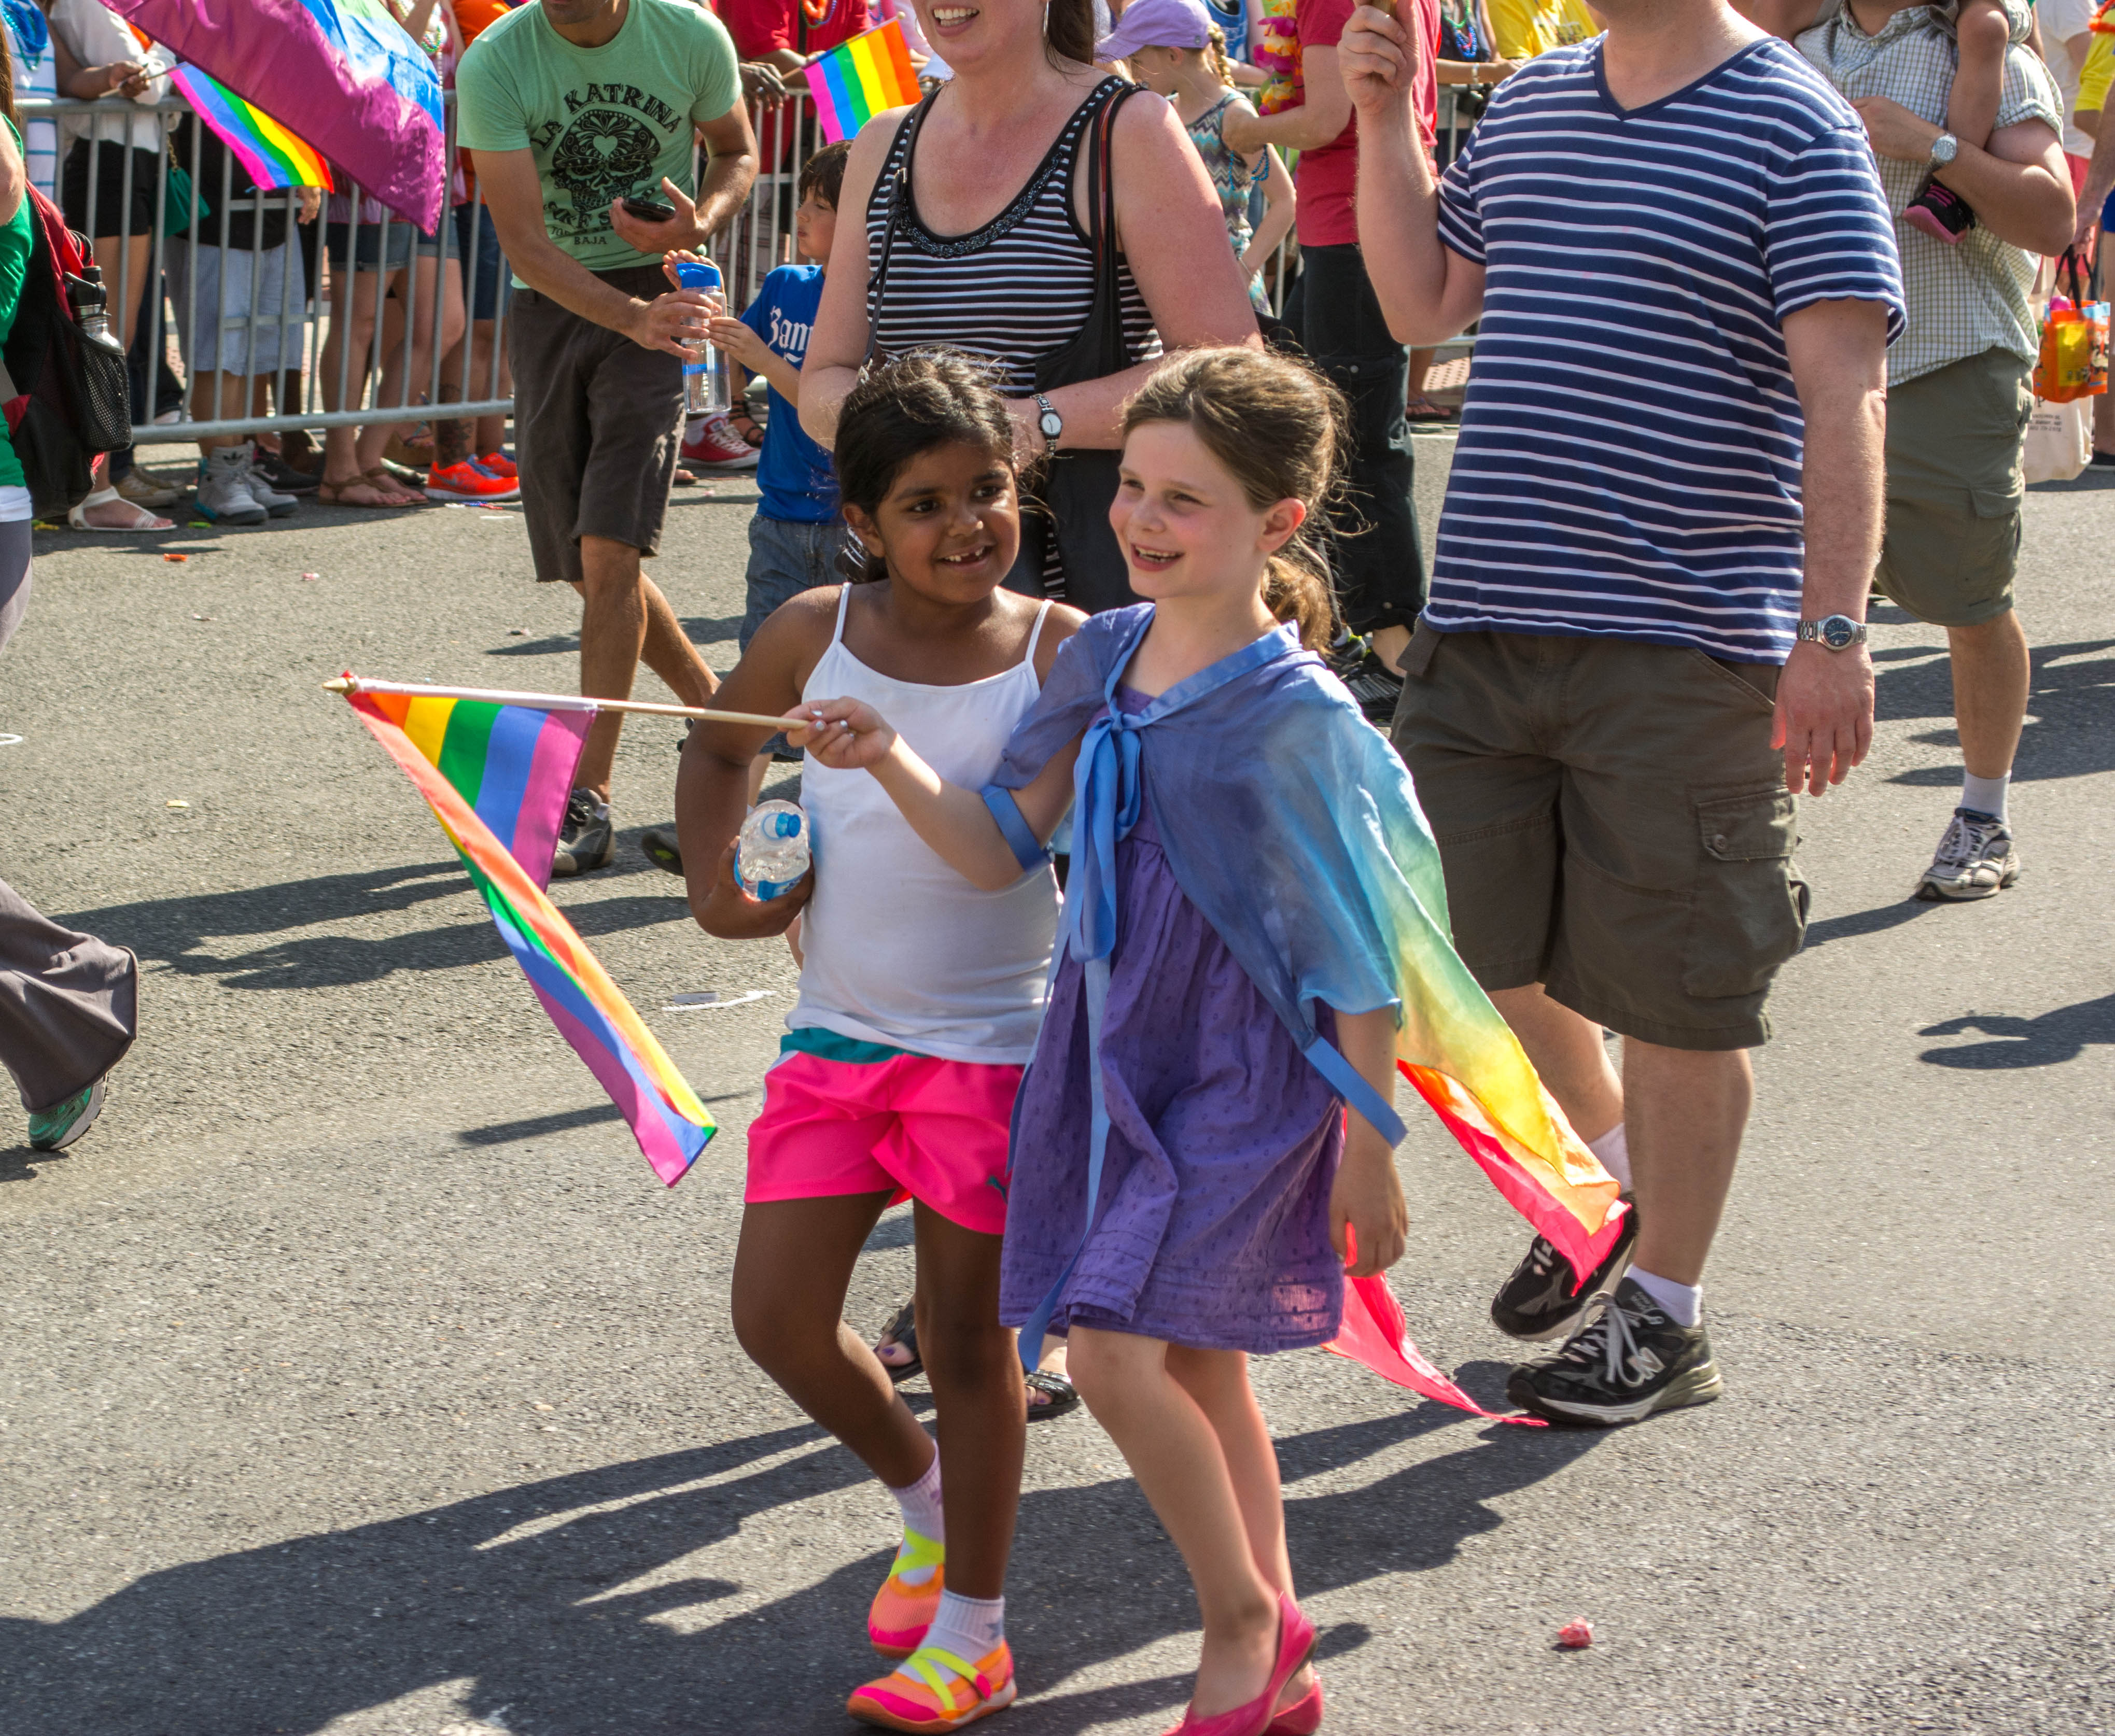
(971, 1627)
(921, 1502)
(1683, 1303)
(1985, 794)
(1613, 1149)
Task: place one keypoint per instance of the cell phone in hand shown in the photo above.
(650, 210)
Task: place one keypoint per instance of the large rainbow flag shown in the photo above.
(496, 776)
(273, 156)
(369, 98)
(858, 80)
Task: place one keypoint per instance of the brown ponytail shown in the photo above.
(1215, 46)
(1068, 28)
(1284, 432)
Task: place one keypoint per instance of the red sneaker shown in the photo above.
(500, 465)
(470, 482)
(712, 444)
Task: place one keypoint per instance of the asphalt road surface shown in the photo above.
(357, 1376)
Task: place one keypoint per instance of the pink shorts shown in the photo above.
(887, 1121)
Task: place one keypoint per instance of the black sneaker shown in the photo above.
(1940, 211)
(587, 840)
(1540, 1301)
(658, 844)
(1373, 684)
(1629, 1361)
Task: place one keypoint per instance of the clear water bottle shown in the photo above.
(706, 388)
(771, 854)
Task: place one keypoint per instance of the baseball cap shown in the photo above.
(1156, 24)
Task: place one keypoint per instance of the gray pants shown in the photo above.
(69, 1003)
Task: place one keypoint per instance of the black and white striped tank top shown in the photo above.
(1019, 288)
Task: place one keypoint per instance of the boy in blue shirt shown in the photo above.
(794, 538)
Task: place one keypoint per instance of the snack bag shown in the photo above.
(2073, 363)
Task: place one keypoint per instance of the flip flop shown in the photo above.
(382, 476)
(902, 1330)
(1422, 409)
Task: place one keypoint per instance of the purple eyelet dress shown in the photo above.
(1213, 1225)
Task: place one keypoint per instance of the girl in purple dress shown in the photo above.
(1172, 1105)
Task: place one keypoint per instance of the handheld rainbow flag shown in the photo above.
(857, 80)
(273, 156)
(496, 775)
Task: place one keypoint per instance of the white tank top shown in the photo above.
(900, 949)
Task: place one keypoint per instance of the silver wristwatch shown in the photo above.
(1943, 149)
(1837, 632)
(1049, 420)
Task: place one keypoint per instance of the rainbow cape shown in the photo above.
(273, 156)
(496, 775)
(858, 80)
(368, 97)
(1293, 829)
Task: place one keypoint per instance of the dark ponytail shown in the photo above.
(1068, 27)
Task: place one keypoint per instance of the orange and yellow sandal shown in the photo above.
(934, 1690)
(896, 1622)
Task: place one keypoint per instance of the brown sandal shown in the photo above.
(382, 477)
(334, 493)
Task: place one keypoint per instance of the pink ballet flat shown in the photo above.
(1302, 1718)
(1295, 1640)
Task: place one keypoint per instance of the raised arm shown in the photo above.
(959, 826)
(1838, 353)
(1428, 292)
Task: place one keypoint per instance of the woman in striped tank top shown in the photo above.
(985, 222)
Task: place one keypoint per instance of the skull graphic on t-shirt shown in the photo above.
(604, 154)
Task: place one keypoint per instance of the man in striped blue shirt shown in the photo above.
(1646, 629)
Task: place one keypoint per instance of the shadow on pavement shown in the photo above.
(2071, 705)
(2048, 1040)
(1877, 920)
(175, 931)
(523, 1593)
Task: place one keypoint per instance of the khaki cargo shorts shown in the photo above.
(1613, 824)
(1955, 489)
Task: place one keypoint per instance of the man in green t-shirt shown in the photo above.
(571, 107)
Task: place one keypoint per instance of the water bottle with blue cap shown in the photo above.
(705, 384)
(771, 851)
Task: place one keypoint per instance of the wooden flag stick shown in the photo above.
(550, 702)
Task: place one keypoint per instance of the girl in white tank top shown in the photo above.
(900, 949)
(920, 997)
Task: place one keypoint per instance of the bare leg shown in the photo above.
(1177, 1455)
(976, 1390)
(612, 634)
(1218, 1381)
(670, 654)
(1686, 1111)
(1991, 674)
(790, 1269)
(1568, 1052)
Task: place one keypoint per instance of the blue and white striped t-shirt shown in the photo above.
(1629, 459)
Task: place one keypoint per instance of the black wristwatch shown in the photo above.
(1837, 632)
(1049, 421)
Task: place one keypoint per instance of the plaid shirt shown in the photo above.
(1972, 296)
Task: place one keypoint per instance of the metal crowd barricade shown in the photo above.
(760, 238)
(297, 330)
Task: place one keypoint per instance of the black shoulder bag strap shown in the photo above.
(899, 195)
(1079, 482)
